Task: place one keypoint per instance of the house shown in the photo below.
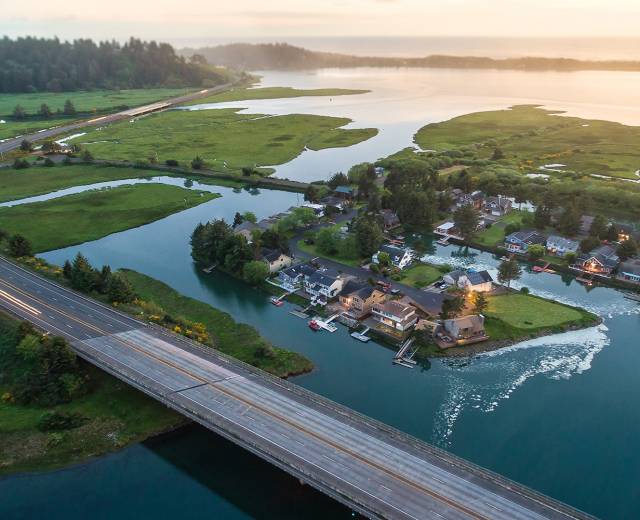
(333, 201)
(399, 257)
(476, 281)
(345, 192)
(497, 206)
(466, 329)
(585, 224)
(379, 171)
(389, 219)
(292, 278)
(318, 209)
(357, 298)
(460, 199)
(394, 314)
(246, 230)
(520, 241)
(323, 285)
(626, 232)
(446, 228)
(601, 261)
(275, 259)
(560, 246)
(629, 271)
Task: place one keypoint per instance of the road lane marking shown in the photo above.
(19, 303)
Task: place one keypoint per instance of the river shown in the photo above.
(555, 413)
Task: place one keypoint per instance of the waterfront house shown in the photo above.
(292, 278)
(629, 271)
(389, 219)
(626, 232)
(379, 171)
(560, 246)
(601, 261)
(246, 230)
(476, 281)
(275, 259)
(323, 285)
(399, 257)
(497, 206)
(466, 329)
(446, 229)
(345, 192)
(520, 241)
(475, 199)
(318, 209)
(333, 201)
(358, 298)
(394, 314)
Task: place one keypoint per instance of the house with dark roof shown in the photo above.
(460, 199)
(399, 257)
(560, 246)
(629, 271)
(275, 259)
(389, 219)
(292, 278)
(345, 192)
(358, 298)
(626, 232)
(497, 206)
(246, 230)
(476, 281)
(323, 285)
(520, 241)
(602, 261)
(333, 201)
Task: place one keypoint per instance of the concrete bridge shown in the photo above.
(370, 467)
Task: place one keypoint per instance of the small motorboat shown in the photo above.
(313, 325)
(277, 301)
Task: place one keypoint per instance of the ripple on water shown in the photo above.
(493, 376)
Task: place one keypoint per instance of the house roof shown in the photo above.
(474, 322)
(563, 243)
(501, 202)
(456, 275)
(352, 286)
(604, 254)
(396, 308)
(270, 255)
(479, 277)
(319, 278)
(631, 266)
(393, 250)
(344, 189)
(528, 236)
(245, 226)
(298, 270)
(428, 302)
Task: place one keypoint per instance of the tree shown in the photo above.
(69, 109)
(83, 277)
(337, 179)
(627, 249)
(249, 216)
(384, 260)
(255, 271)
(466, 220)
(21, 164)
(497, 154)
(172, 163)
(480, 302)
(87, 157)
(509, 270)
(541, 216)
(120, 289)
(326, 241)
(599, 227)
(3, 234)
(67, 269)
(311, 193)
(536, 251)
(589, 244)
(570, 221)
(451, 306)
(237, 219)
(19, 246)
(247, 171)
(197, 163)
(26, 145)
(612, 233)
(19, 113)
(44, 111)
(49, 163)
(368, 234)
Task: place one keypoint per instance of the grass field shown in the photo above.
(531, 137)
(495, 234)
(242, 94)
(38, 180)
(116, 415)
(227, 141)
(421, 275)
(91, 215)
(235, 339)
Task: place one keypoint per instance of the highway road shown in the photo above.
(370, 467)
(12, 144)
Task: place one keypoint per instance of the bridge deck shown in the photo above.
(369, 466)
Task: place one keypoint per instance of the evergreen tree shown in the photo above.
(509, 270)
(237, 219)
(120, 290)
(480, 302)
(44, 111)
(19, 113)
(83, 277)
(69, 109)
(19, 246)
(466, 220)
(627, 249)
(599, 227)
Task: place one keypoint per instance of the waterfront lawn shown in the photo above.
(116, 415)
(517, 315)
(235, 339)
(312, 250)
(242, 94)
(78, 218)
(531, 136)
(38, 180)
(495, 234)
(420, 275)
(226, 140)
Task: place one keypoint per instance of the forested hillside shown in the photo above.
(39, 64)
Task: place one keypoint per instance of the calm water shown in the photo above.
(403, 100)
(556, 413)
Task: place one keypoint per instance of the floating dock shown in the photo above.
(361, 336)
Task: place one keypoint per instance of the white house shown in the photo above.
(477, 281)
(323, 286)
(560, 246)
(395, 314)
(399, 257)
(318, 209)
(447, 228)
(275, 259)
(292, 278)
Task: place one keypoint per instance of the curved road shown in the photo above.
(14, 143)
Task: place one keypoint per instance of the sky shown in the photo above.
(278, 19)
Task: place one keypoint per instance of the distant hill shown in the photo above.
(40, 64)
(266, 56)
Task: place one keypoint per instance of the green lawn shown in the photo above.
(235, 339)
(495, 234)
(38, 180)
(91, 215)
(421, 275)
(116, 414)
(531, 137)
(242, 94)
(226, 140)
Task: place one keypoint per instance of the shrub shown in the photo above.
(172, 162)
(59, 421)
(48, 162)
(525, 290)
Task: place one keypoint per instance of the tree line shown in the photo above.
(40, 64)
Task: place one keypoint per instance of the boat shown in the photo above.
(276, 301)
(313, 325)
